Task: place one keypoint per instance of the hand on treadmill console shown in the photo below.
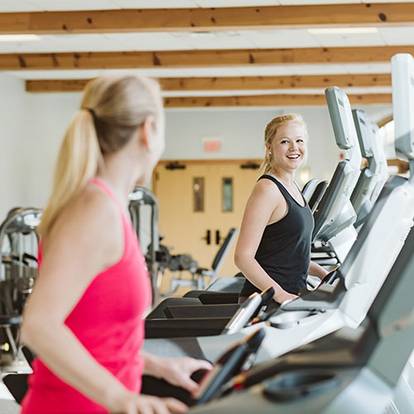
(328, 276)
(182, 372)
(283, 296)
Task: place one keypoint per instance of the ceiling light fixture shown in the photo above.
(343, 30)
(19, 38)
(203, 34)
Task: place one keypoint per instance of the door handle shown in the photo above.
(218, 237)
(207, 237)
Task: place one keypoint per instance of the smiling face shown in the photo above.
(288, 146)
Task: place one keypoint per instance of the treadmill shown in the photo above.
(335, 215)
(313, 192)
(367, 189)
(348, 371)
(375, 174)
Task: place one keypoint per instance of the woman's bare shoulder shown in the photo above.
(92, 211)
(266, 189)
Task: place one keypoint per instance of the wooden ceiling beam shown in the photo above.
(402, 165)
(230, 83)
(76, 85)
(200, 19)
(270, 100)
(199, 58)
(55, 85)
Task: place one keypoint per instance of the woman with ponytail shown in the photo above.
(273, 249)
(84, 319)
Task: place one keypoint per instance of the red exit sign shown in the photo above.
(211, 145)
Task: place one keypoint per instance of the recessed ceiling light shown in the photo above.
(228, 33)
(344, 30)
(19, 38)
(202, 34)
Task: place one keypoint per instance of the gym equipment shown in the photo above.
(248, 310)
(185, 262)
(369, 185)
(176, 263)
(341, 300)
(143, 203)
(335, 215)
(344, 127)
(345, 297)
(190, 320)
(349, 371)
(313, 192)
(199, 275)
(335, 212)
(375, 174)
(218, 260)
(18, 271)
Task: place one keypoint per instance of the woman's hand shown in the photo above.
(317, 270)
(178, 371)
(323, 273)
(282, 296)
(145, 404)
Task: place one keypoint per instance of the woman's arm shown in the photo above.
(263, 203)
(87, 238)
(317, 270)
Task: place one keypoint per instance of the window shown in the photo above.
(227, 194)
(198, 194)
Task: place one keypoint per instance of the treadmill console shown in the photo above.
(231, 363)
(327, 296)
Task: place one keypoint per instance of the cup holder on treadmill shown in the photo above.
(286, 320)
(299, 384)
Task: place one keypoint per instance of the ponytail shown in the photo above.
(78, 161)
(111, 111)
(266, 165)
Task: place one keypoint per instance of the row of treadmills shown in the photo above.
(342, 209)
(342, 346)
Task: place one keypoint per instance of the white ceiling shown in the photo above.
(266, 38)
(272, 92)
(241, 39)
(212, 71)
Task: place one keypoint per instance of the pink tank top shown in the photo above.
(108, 321)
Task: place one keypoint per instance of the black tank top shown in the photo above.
(284, 250)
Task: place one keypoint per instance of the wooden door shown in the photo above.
(199, 202)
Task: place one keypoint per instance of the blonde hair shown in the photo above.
(270, 133)
(111, 111)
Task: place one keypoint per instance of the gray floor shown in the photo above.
(9, 407)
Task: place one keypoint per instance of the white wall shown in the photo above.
(12, 119)
(32, 126)
(47, 118)
(242, 134)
